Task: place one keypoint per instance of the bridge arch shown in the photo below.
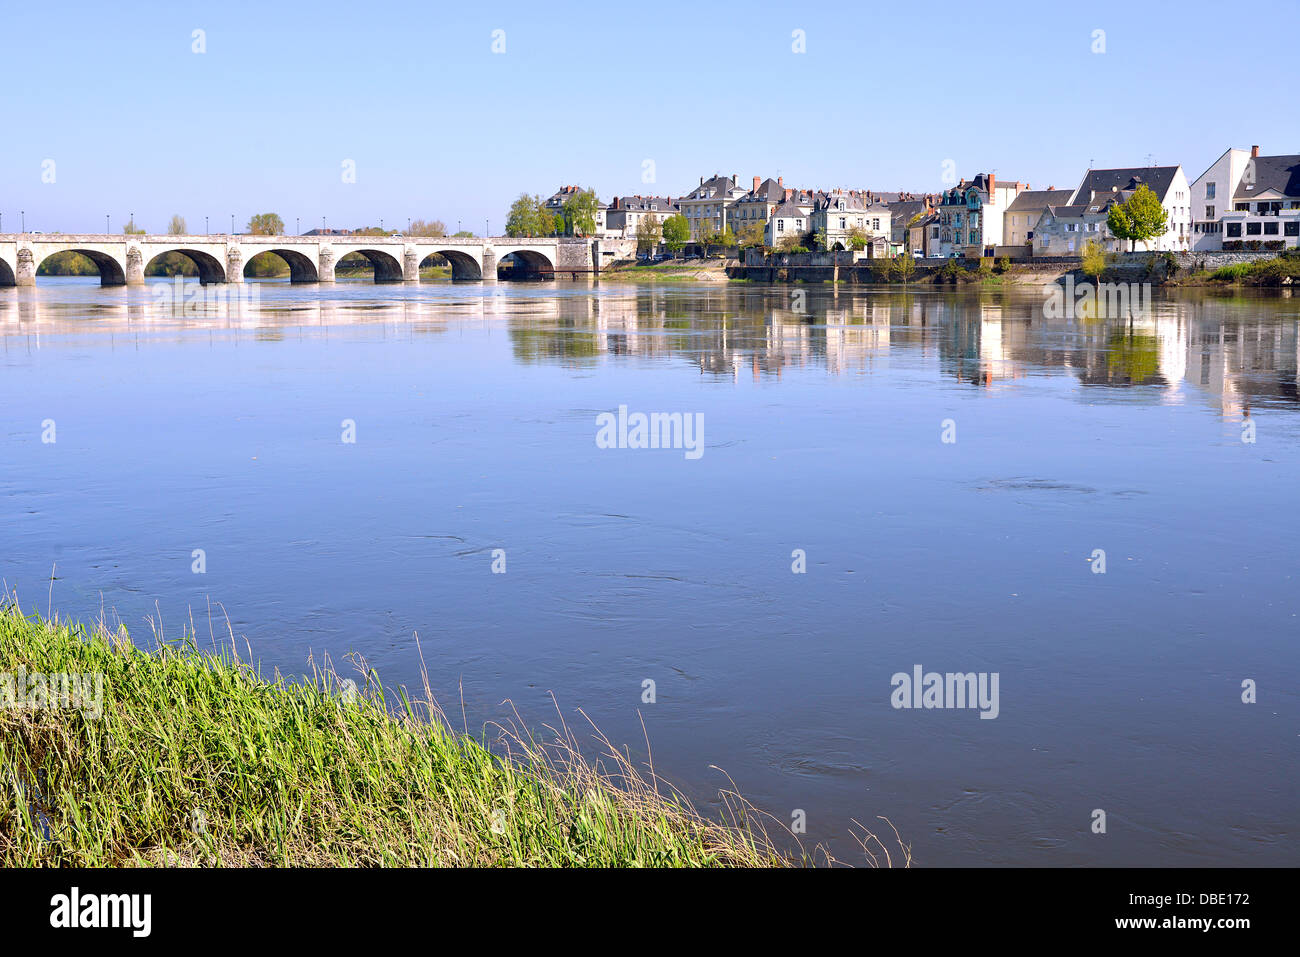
(112, 271)
(463, 265)
(8, 275)
(530, 263)
(301, 266)
(209, 267)
(388, 268)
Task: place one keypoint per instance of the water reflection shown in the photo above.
(1232, 351)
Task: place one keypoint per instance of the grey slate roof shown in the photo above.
(788, 210)
(1033, 200)
(1281, 173)
(720, 185)
(1158, 178)
(1078, 210)
(645, 204)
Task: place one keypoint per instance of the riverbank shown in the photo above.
(671, 270)
(196, 759)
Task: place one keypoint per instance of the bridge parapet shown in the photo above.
(222, 257)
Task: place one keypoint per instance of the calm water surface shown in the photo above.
(474, 410)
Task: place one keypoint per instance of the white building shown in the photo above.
(839, 214)
(626, 213)
(1101, 186)
(1244, 199)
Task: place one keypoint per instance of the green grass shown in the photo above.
(197, 759)
(1262, 272)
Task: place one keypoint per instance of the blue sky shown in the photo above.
(439, 126)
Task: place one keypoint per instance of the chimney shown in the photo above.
(779, 181)
(788, 194)
(701, 180)
(756, 184)
(1254, 151)
(993, 182)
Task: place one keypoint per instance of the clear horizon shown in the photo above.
(121, 116)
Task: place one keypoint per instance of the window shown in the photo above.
(1252, 229)
(1242, 207)
(1209, 212)
(780, 225)
(1209, 191)
(875, 224)
(1270, 229)
(1234, 229)
(1292, 228)
(842, 221)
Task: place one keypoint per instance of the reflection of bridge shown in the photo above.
(123, 260)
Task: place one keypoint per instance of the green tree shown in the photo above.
(903, 267)
(432, 228)
(677, 232)
(557, 225)
(580, 211)
(177, 226)
(648, 233)
(131, 229)
(857, 238)
(751, 234)
(1139, 219)
(527, 217)
(706, 234)
(266, 224)
(1094, 260)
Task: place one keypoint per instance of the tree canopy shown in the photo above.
(266, 224)
(648, 233)
(677, 232)
(432, 227)
(1140, 218)
(580, 211)
(528, 217)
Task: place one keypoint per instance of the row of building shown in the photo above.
(1243, 201)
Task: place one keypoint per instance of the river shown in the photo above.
(1100, 515)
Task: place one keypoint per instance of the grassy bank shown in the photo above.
(197, 759)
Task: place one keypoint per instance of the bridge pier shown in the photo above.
(489, 264)
(410, 265)
(134, 266)
(25, 275)
(325, 264)
(234, 264)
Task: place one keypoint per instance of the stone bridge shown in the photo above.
(123, 260)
